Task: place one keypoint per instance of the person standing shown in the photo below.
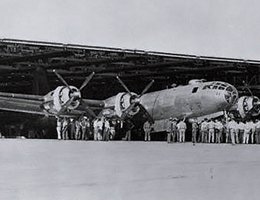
(85, 128)
(252, 132)
(247, 129)
(59, 128)
(204, 130)
(181, 126)
(72, 129)
(219, 131)
(65, 123)
(257, 131)
(171, 130)
(195, 128)
(106, 129)
(96, 128)
(232, 129)
(211, 131)
(241, 127)
(147, 130)
(78, 130)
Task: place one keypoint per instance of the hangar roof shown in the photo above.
(26, 67)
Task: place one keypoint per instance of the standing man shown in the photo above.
(181, 126)
(257, 131)
(204, 130)
(219, 131)
(96, 125)
(128, 126)
(78, 130)
(59, 128)
(65, 135)
(106, 129)
(232, 125)
(172, 130)
(147, 130)
(247, 129)
(241, 127)
(252, 133)
(195, 128)
(83, 125)
(211, 131)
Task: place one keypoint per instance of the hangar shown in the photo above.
(27, 67)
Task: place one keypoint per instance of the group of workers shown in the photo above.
(175, 130)
(73, 129)
(230, 130)
(84, 129)
(211, 131)
(206, 131)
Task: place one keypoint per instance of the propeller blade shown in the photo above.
(87, 80)
(146, 88)
(61, 79)
(122, 83)
(66, 105)
(125, 113)
(146, 113)
(90, 111)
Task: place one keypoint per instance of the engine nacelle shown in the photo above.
(248, 104)
(56, 99)
(122, 102)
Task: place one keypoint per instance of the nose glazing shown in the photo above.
(231, 94)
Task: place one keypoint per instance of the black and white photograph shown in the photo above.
(129, 100)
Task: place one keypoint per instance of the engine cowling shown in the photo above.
(123, 101)
(56, 99)
(248, 105)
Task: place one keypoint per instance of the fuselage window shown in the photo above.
(194, 90)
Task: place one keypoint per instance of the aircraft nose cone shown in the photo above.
(231, 94)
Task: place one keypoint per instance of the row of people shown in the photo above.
(78, 129)
(210, 131)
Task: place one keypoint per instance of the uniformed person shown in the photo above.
(106, 129)
(59, 128)
(128, 126)
(85, 128)
(232, 130)
(181, 126)
(65, 123)
(78, 130)
(257, 131)
(247, 129)
(72, 129)
(195, 128)
(252, 132)
(147, 130)
(218, 130)
(172, 130)
(226, 130)
(96, 128)
(237, 131)
(211, 131)
(204, 130)
(241, 127)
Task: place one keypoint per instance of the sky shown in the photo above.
(225, 28)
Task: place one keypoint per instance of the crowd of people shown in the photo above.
(85, 129)
(206, 131)
(213, 131)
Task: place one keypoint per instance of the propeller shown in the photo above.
(74, 94)
(135, 100)
(246, 86)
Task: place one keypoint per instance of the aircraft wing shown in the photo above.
(33, 104)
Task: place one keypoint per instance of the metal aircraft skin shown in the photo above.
(197, 99)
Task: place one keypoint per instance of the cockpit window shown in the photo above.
(216, 86)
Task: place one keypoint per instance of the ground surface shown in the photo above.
(51, 169)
